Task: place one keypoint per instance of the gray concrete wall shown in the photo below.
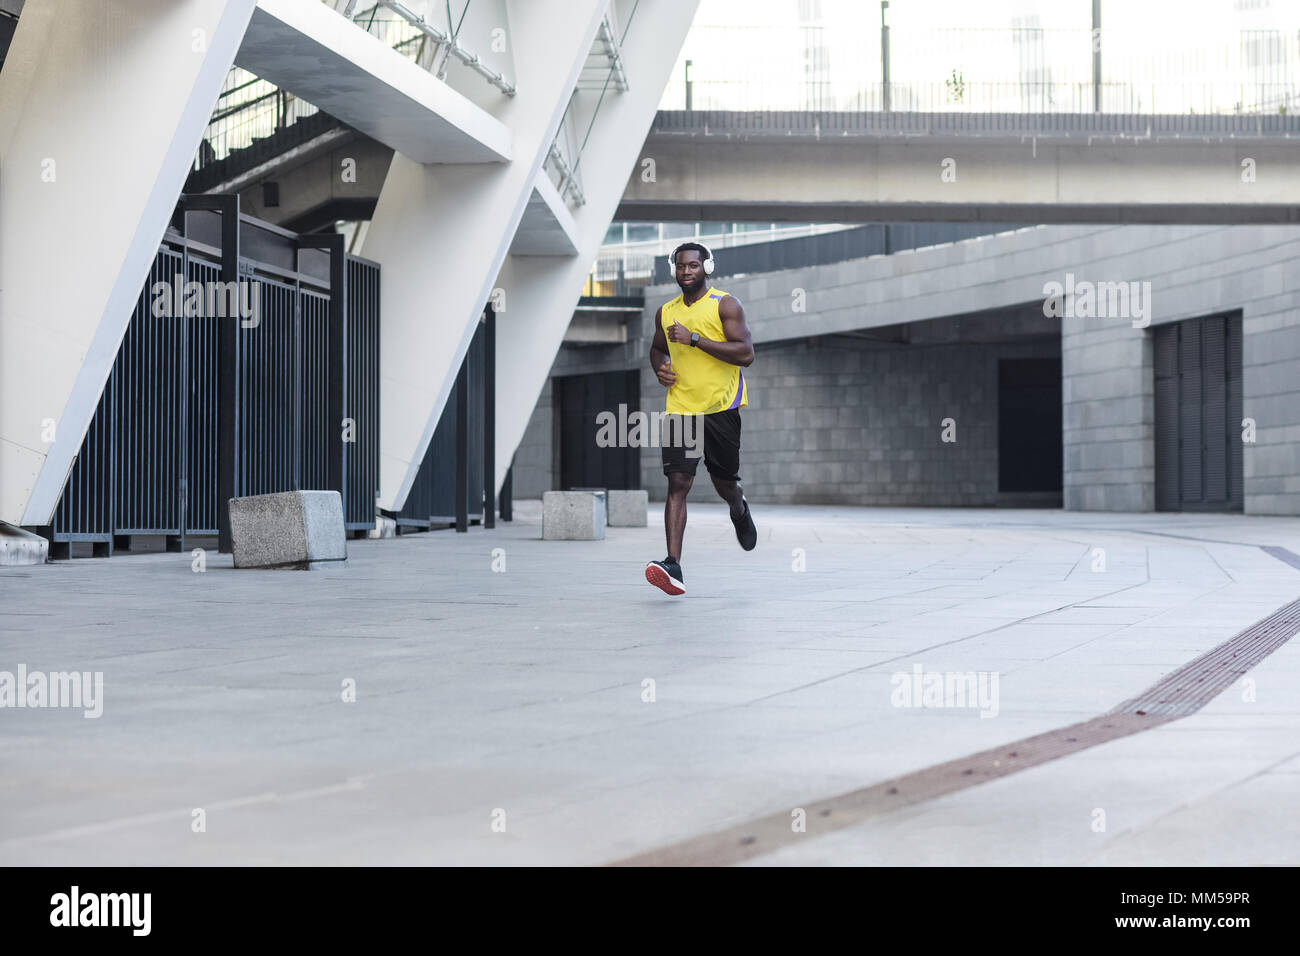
(314, 178)
(843, 421)
(1271, 384)
(1108, 416)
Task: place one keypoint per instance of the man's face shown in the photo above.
(690, 270)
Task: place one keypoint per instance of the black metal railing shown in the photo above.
(209, 171)
(362, 392)
(803, 251)
(202, 405)
(248, 110)
(620, 274)
(799, 66)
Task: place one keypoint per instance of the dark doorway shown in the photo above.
(1029, 425)
(579, 399)
(1198, 412)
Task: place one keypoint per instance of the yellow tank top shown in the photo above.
(704, 384)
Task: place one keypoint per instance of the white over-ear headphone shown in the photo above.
(708, 258)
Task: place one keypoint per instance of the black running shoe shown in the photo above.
(746, 533)
(666, 575)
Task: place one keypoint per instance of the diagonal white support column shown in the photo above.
(542, 292)
(547, 228)
(102, 106)
(442, 233)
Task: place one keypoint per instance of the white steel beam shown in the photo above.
(102, 106)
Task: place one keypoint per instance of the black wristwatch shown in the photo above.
(695, 339)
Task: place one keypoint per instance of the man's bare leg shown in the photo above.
(731, 493)
(675, 512)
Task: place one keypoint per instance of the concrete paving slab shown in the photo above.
(524, 690)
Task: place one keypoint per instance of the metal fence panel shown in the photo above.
(148, 463)
(85, 510)
(432, 499)
(267, 402)
(201, 414)
(477, 422)
(362, 453)
(317, 430)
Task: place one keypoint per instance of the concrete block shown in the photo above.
(300, 530)
(573, 516)
(627, 509)
(19, 548)
(385, 527)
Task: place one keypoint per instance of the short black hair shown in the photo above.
(685, 246)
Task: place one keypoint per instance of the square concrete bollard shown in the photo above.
(19, 548)
(385, 527)
(290, 529)
(627, 509)
(573, 515)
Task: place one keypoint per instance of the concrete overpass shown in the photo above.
(889, 167)
(998, 167)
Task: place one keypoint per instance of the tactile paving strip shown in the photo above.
(1183, 692)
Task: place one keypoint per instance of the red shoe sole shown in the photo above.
(660, 579)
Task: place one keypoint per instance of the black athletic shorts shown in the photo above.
(721, 441)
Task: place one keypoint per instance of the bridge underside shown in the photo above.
(901, 167)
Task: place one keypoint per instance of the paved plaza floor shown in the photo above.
(541, 703)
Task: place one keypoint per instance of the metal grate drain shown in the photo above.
(1183, 692)
(1194, 685)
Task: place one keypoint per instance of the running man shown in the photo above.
(700, 343)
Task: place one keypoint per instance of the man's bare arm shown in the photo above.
(738, 349)
(659, 353)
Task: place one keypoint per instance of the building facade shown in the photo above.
(1098, 368)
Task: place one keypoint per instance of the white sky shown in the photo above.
(1156, 17)
(1179, 54)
